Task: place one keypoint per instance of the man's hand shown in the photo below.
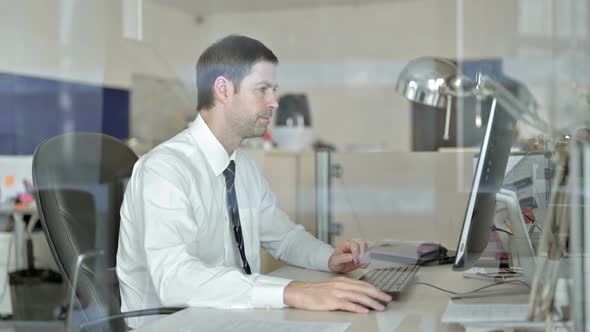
(346, 257)
(339, 293)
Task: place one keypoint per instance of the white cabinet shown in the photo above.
(291, 177)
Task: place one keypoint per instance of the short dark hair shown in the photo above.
(231, 57)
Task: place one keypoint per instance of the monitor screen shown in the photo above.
(487, 181)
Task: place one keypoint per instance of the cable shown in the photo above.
(497, 284)
(473, 290)
(434, 286)
(494, 228)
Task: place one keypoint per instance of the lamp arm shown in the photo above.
(516, 108)
(447, 120)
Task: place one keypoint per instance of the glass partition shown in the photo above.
(386, 196)
(399, 92)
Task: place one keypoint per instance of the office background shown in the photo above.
(126, 68)
(346, 56)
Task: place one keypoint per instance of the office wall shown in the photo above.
(82, 41)
(68, 67)
(388, 196)
(33, 109)
(345, 57)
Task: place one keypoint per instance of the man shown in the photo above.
(197, 210)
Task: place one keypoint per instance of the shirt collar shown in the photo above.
(214, 152)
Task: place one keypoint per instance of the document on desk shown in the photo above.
(195, 319)
(247, 325)
(214, 320)
(484, 313)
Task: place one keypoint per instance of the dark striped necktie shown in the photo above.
(233, 212)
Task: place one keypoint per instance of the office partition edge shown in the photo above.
(323, 195)
(580, 239)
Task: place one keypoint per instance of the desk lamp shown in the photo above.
(434, 81)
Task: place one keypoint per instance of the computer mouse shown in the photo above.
(365, 259)
(431, 251)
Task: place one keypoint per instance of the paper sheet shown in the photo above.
(473, 313)
(243, 325)
(389, 320)
(214, 320)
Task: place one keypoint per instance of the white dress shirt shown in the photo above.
(176, 246)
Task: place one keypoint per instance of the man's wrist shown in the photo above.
(290, 294)
(268, 291)
(328, 252)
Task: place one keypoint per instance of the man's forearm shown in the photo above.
(304, 250)
(339, 293)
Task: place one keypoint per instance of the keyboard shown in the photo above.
(392, 280)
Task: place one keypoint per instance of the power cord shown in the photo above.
(434, 286)
(497, 229)
(473, 290)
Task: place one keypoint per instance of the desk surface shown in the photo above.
(420, 309)
(9, 209)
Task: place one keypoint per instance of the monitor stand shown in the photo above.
(521, 253)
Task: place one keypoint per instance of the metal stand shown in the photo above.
(580, 233)
(323, 188)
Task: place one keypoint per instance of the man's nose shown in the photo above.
(273, 102)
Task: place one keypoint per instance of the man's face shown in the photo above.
(252, 107)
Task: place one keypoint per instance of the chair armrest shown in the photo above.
(97, 322)
(129, 314)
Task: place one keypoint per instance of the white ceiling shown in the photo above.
(208, 7)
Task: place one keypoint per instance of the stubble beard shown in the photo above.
(253, 129)
(257, 130)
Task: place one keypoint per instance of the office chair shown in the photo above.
(79, 181)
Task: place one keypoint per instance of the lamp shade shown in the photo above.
(423, 80)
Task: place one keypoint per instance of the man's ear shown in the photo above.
(223, 89)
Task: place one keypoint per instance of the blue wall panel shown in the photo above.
(7, 140)
(116, 112)
(35, 109)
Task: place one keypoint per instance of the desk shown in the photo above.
(420, 309)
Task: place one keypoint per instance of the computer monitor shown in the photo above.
(487, 181)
